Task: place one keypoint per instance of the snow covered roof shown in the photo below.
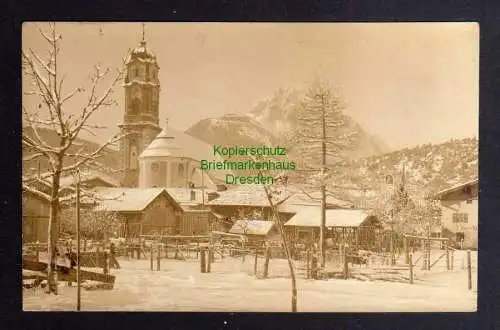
(126, 199)
(252, 195)
(183, 195)
(35, 192)
(173, 143)
(311, 217)
(299, 200)
(141, 53)
(164, 145)
(443, 193)
(251, 227)
(88, 175)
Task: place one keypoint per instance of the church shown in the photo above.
(153, 157)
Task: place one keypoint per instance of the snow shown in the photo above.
(232, 286)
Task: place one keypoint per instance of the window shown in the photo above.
(133, 158)
(136, 104)
(469, 201)
(136, 72)
(181, 170)
(460, 218)
(155, 167)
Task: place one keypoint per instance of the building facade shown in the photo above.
(460, 213)
(36, 212)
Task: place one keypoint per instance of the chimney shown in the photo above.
(193, 195)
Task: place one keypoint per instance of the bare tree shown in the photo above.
(321, 138)
(276, 193)
(47, 84)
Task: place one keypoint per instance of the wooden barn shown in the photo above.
(344, 226)
(142, 211)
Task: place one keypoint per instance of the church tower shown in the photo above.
(141, 119)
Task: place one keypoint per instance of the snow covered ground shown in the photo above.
(232, 287)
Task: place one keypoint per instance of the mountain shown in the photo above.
(428, 168)
(108, 159)
(269, 123)
(232, 129)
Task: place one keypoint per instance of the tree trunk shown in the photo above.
(322, 236)
(323, 189)
(53, 232)
(288, 257)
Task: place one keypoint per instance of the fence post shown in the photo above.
(151, 258)
(197, 249)
(138, 251)
(308, 264)
(452, 259)
(266, 263)
(158, 258)
(392, 254)
(469, 269)
(314, 267)
(346, 263)
(97, 259)
(411, 267)
(105, 268)
(447, 256)
(407, 252)
(255, 263)
(208, 259)
(243, 246)
(429, 254)
(203, 266)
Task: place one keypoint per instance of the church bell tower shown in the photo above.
(141, 119)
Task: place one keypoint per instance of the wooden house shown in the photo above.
(460, 213)
(197, 217)
(35, 213)
(244, 201)
(90, 178)
(142, 211)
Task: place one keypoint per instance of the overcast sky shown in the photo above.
(408, 83)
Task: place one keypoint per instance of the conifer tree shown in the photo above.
(321, 138)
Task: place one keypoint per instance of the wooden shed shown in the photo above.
(255, 230)
(354, 227)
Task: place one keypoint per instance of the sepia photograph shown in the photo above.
(250, 167)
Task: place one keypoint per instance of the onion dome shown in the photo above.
(141, 53)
